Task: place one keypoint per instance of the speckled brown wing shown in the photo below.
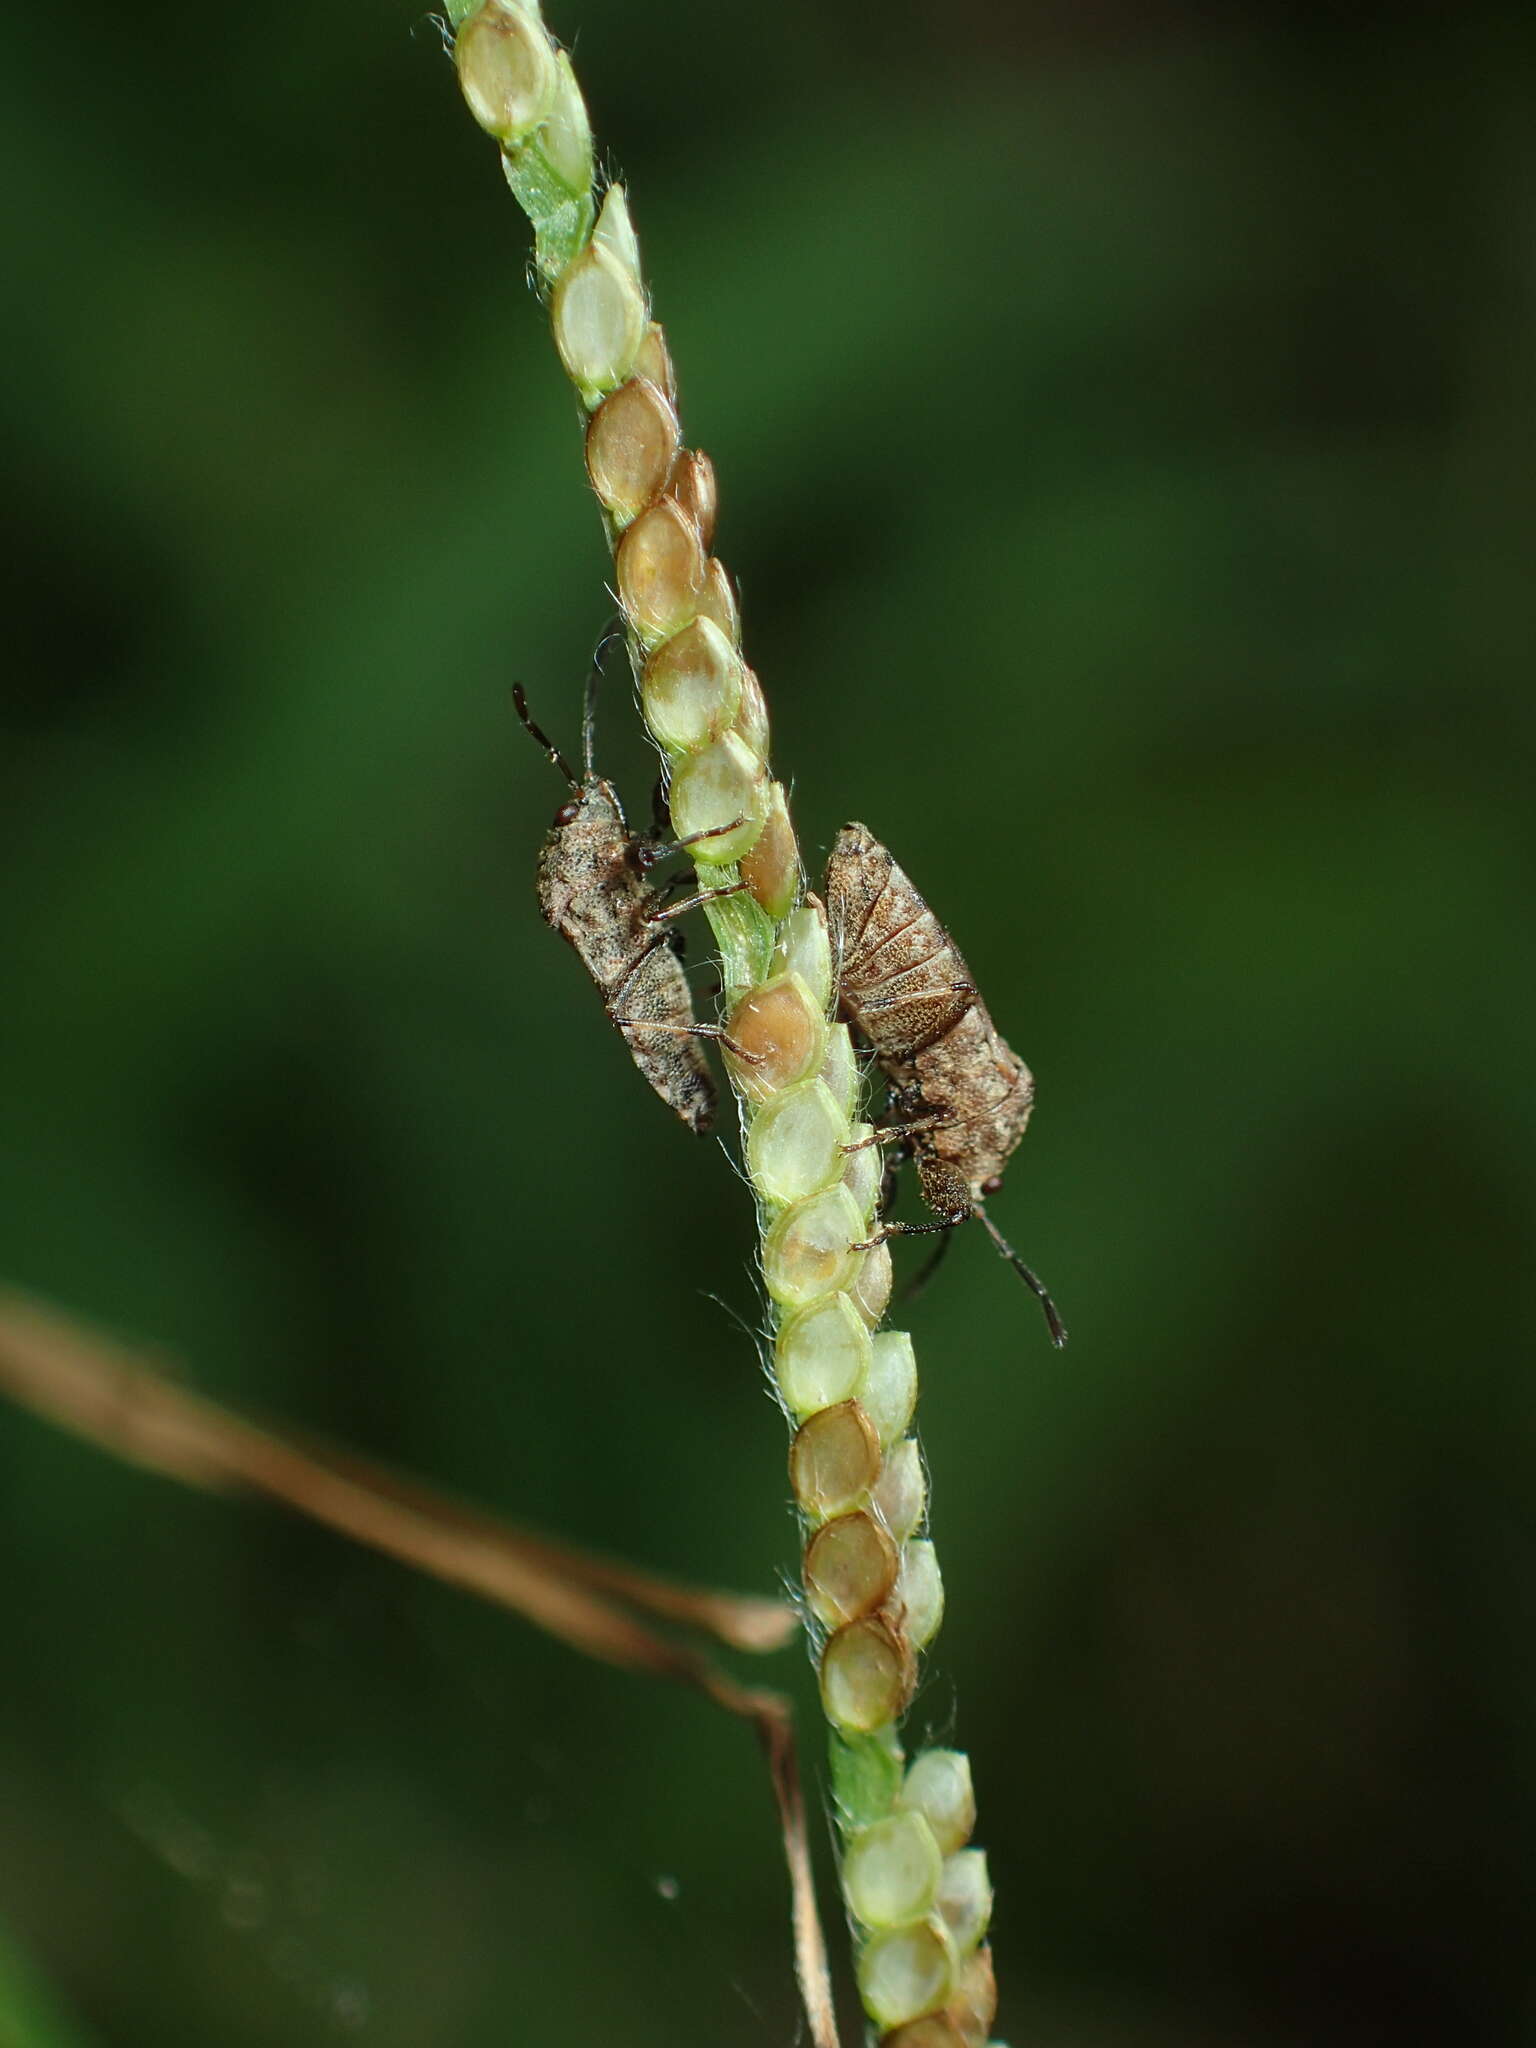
(901, 978)
(653, 1008)
(982, 1092)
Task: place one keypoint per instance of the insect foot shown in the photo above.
(595, 890)
(961, 1097)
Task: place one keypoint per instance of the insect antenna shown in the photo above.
(1053, 1322)
(542, 738)
(613, 631)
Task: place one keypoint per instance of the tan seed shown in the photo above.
(654, 361)
(867, 1676)
(660, 570)
(752, 719)
(631, 441)
(935, 2030)
(693, 486)
(973, 2006)
(850, 1566)
(717, 601)
(834, 1460)
(872, 1286)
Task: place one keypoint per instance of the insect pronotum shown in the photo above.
(595, 889)
(960, 1097)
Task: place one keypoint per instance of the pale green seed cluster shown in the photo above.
(917, 1895)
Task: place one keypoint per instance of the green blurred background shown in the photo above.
(1124, 421)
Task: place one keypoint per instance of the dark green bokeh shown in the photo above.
(1125, 438)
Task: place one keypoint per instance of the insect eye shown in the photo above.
(568, 813)
(992, 1185)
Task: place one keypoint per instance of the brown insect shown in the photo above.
(959, 1096)
(595, 889)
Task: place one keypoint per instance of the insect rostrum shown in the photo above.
(960, 1097)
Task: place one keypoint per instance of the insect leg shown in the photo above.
(898, 1134)
(1053, 1320)
(716, 1031)
(888, 1230)
(649, 851)
(953, 988)
(914, 1287)
(662, 912)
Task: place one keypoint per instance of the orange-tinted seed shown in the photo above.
(782, 1033)
(772, 869)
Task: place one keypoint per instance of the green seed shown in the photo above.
(507, 70)
(795, 1144)
(920, 1590)
(808, 1253)
(892, 1871)
(721, 790)
(889, 1392)
(938, 1786)
(821, 1355)
(907, 1972)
